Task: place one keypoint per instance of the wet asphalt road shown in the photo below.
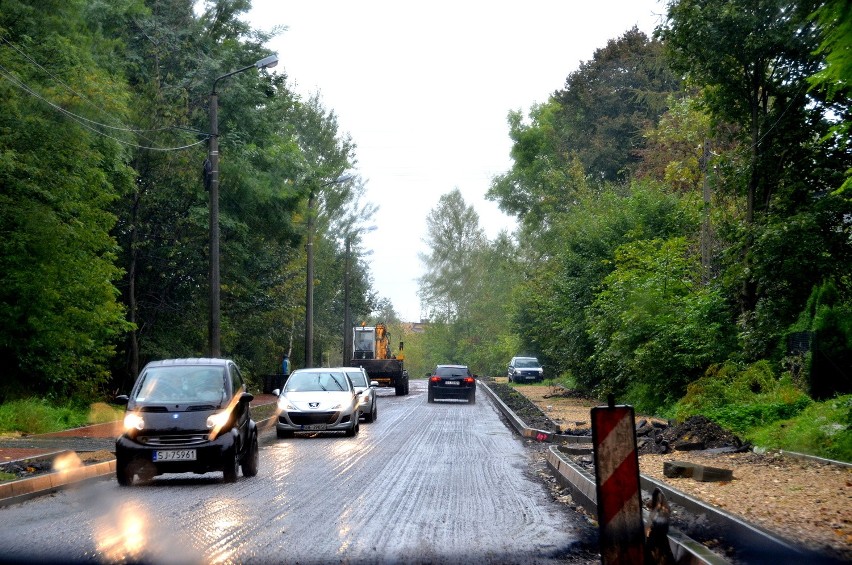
(426, 483)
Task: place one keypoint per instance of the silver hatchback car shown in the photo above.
(367, 388)
(318, 400)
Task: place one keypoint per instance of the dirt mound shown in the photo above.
(696, 433)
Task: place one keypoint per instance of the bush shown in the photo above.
(823, 429)
(742, 397)
(742, 418)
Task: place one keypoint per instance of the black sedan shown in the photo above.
(452, 382)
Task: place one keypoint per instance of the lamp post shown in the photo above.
(212, 180)
(309, 275)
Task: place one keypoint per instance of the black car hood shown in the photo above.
(174, 418)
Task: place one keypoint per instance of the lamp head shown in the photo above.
(267, 62)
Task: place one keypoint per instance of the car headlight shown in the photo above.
(133, 421)
(218, 420)
(363, 399)
(284, 404)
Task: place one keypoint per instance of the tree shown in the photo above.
(59, 313)
(753, 62)
(589, 132)
(453, 237)
(609, 101)
(654, 327)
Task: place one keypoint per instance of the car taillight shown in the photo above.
(435, 379)
(468, 380)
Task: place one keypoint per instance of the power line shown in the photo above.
(87, 123)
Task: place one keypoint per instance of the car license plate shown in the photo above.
(175, 455)
(315, 427)
(451, 383)
(530, 377)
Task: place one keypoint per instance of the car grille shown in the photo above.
(190, 408)
(307, 418)
(529, 373)
(173, 440)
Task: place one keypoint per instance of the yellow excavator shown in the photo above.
(371, 350)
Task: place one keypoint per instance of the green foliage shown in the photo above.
(742, 398)
(59, 313)
(827, 321)
(654, 329)
(822, 428)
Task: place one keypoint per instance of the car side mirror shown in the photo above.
(246, 397)
(122, 399)
(374, 384)
(276, 392)
(428, 375)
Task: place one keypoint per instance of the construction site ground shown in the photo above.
(802, 500)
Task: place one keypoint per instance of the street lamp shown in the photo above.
(309, 275)
(212, 181)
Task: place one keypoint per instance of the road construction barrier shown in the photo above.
(617, 479)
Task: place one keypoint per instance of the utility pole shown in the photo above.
(347, 316)
(309, 290)
(705, 222)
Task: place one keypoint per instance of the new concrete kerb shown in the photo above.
(583, 488)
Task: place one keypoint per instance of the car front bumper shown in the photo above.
(210, 455)
(315, 421)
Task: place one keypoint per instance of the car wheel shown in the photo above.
(251, 459)
(123, 473)
(284, 434)
(375, 411)
(232, 466)
(406, 387)
(472, 398)
(353, 430)
(430, 396)
(400, 390)
(372, 415)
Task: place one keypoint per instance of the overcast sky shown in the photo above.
(424, 88)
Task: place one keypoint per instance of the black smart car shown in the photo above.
(451, 381)
(187, 415)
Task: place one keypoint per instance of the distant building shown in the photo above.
(415, 327)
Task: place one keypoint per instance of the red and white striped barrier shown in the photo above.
(617, 479)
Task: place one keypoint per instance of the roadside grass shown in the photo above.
(823, 429)
(39, 416)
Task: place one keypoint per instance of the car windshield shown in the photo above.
(451, 371)
(186, 384)
(526, 363)
(316, 381)
(357, 378)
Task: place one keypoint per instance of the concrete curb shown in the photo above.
(521, 427)
(584, 490)
(18, 491)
